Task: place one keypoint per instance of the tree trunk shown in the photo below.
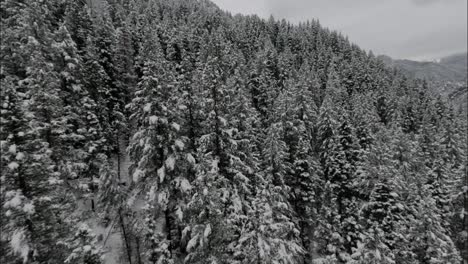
(125, 236)
(138, 250)
(168, 228)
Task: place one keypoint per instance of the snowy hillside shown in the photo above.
(170, 132)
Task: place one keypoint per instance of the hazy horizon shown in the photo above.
(402, 29)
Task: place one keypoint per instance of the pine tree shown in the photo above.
(264, 82)
(156, 148)
(33, 184)
(269, 234)
(84, 247)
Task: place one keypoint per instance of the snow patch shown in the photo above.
(152, 193)
(185, 232)
(214, 166)
(54, 180)
(13, 165)
(15, 200)
(222, 121)
(190, 159)
(176, 126)
(161, 174)
(29, 208)
(192, 243)
(170, 163)
(183, 184)
(237, 204)
(19, 245)
(231, 131)
(76, 87)
(179, 214)
(87, 248)
(153, 120)
(179, 144)
(207, 231)
(20, 156)
(147, 107)
(12, 149)
(162, 198)
(137, 175)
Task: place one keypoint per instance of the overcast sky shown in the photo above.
(409, 29)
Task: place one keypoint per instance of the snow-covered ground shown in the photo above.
(110, 235)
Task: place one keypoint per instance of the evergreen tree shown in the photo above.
(156, 148)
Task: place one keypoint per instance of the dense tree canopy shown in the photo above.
(249, 140)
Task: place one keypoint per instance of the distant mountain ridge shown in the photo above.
(452, 68)
(447, 77)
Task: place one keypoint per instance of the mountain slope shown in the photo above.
(452, 68)
(190, 135)
(448, 77)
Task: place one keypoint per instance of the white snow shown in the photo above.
(179, 144)
(83, 186)
(87, 248)
(185, 231)
(237, 204)
(29, 208)
(152, 193)
(190, 158)
(20, 156)
(377, 254)
(137, 174)
(12, 149)
(184, 184)
(162, 198)
(179, 214)
(192, 243)
(170, 162)
(131, 200)
(207, 231)
(230, 131)
(153, 120)
(176, 126)
(53, 180)
(45, 199)
(15, 201)
(19, 245)
(147, 107)
(161, 174)
(223, 121)
(91, 149)
(214, 166)
(76, 88)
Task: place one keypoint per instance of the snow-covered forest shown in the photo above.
(169, 132)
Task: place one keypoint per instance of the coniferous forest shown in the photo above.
(170, 131)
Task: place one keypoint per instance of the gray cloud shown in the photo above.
(425, 2)
(418, 29)
(428, 2)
